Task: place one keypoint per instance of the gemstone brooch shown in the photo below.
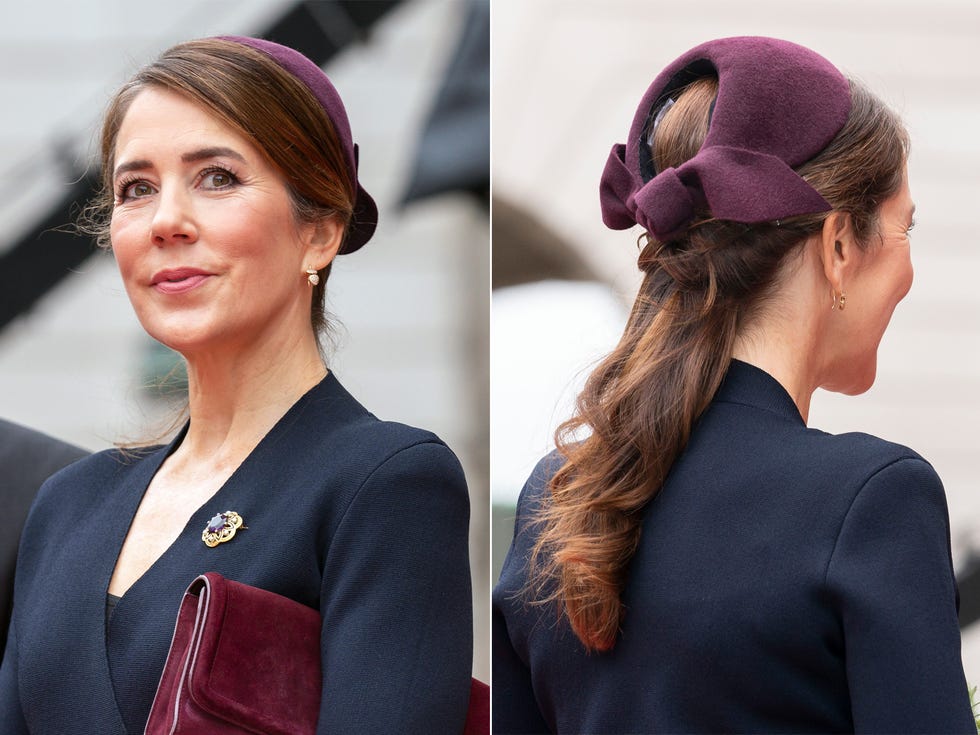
(222, 528)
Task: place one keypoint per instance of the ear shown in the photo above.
(322, 240)
(839, 249)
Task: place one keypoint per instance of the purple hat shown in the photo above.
(365, 215)
(778, 106)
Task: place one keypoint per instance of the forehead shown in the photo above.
(159, 120)
(900, 203)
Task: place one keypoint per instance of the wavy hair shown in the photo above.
(640, 403)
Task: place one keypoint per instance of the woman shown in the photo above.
(701, 561)
(230, 186)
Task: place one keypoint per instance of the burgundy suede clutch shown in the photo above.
(478, 714)
(242, 660)
(246, 660)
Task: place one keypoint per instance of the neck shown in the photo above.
(787, 369)
(785, 341)
(235, 399)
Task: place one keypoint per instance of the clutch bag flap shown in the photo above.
(250, 663)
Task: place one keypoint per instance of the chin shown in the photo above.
(183, 341)
(180, 330)
(855, 379)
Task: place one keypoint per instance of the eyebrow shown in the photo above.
(201, 154)
(215, 152)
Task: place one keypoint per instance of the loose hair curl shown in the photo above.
(640, 403)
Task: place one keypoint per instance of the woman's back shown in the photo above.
(772, 589)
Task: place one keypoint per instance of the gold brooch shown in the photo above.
(222, 528)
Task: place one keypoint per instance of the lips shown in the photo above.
(179, 280)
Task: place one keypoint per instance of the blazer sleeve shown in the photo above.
(515, 708)
(397, 637)
(892, 575)
(11, 714)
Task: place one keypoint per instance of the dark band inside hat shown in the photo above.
(678, 83)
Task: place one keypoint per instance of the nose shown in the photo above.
(173, 219)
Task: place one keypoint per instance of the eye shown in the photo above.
(133, 189)
(218, 178)
(908, 230)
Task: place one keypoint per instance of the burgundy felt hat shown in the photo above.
(365, 216)
(778, 106)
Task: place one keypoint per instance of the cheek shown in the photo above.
(900, 279)
(237, 232)
(908, 277)
(124, 244)
(132, 250)
(893, 279)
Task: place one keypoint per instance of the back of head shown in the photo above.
(711, 257)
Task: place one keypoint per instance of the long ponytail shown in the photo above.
(641, 402)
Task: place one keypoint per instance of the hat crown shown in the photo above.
(778, 105)
(365, 215)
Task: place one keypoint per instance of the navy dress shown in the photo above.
(363, 520)
(786, 580)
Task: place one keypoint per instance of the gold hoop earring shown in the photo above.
(840, 305)
(312, 276)
(833, 299)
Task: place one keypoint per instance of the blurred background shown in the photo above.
(411, 309)
(567, 76)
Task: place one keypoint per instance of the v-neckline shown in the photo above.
(129, 495)
(163, 452)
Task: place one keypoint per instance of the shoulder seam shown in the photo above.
(850, 506)
(422, 442)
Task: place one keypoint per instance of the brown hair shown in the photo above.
(249, 91)
(640, 403)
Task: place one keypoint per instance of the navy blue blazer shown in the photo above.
(363, 520)
(786, 580)
(27, 459)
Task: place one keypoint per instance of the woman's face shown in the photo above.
(204, 233)
(881, 278)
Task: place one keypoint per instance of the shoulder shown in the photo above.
(892, 477)
(402, 460)
(82, 484)
(361, 462)
(837, 471)
(376, 440)
(766, 447)
(396, 482)
(510, 594)
(861, 481)
(21, 438)
(857, 445)
(778, 439)
(105, 464)
(535, 490)
(27, 457)
(339, 435)
(368, 445)
(533, 497)
(84, 494)
(856, 457)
